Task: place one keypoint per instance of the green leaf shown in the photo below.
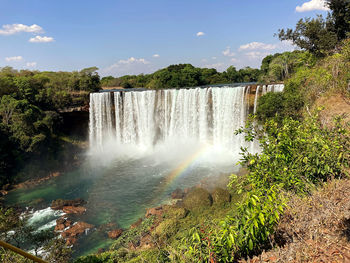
(250, 244)
(262, 219)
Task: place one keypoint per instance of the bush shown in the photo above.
(197, 199)
(270, 105)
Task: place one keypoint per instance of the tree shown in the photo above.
(340, 17)
(321, 35)
(232, 74)
(8, 106)
(314, 35)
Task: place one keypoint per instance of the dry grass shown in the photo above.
(315, 228)
(334, 105)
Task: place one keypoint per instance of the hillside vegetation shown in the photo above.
(30, 115)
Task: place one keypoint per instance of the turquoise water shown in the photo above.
(120, 189)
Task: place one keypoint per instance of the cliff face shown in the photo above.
(76, 123)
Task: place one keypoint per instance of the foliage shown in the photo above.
(197, 199)
(294, 157)
(329, 75)
(30, 105)
(269, 105)
(7, 256)
(183, 75)
(279, 67)
(340, 17)
(320, 35)
(58, 251)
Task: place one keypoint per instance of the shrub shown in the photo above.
(197, 199)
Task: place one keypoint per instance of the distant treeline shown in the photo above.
(274, 68)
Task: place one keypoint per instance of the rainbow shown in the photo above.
(183, 167)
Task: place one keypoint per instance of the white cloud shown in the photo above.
(200, 34)
(31, 64)
(18, 28)
(312, 5)
(256, 54)
(132, 60)
(130, 66)
(218, 66)
(214, 58)
(286, 45)
(227, 52)
(234, 60)
(39, 39)
(16, 58)
(156, 56)
(257, 46)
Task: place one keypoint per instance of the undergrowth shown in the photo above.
(295, 157)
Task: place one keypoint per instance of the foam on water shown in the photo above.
(45, 218)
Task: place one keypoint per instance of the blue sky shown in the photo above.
(136, 36)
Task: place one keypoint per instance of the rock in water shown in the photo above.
(62, 223)
(74, 210)
(72, 233)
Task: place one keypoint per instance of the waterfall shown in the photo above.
(146, 118)
(256, 98)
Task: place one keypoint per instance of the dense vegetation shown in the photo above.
(274, 68)
(331, 74)
(30, 119)
(183, 75)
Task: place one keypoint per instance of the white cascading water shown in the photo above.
(146, 118)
